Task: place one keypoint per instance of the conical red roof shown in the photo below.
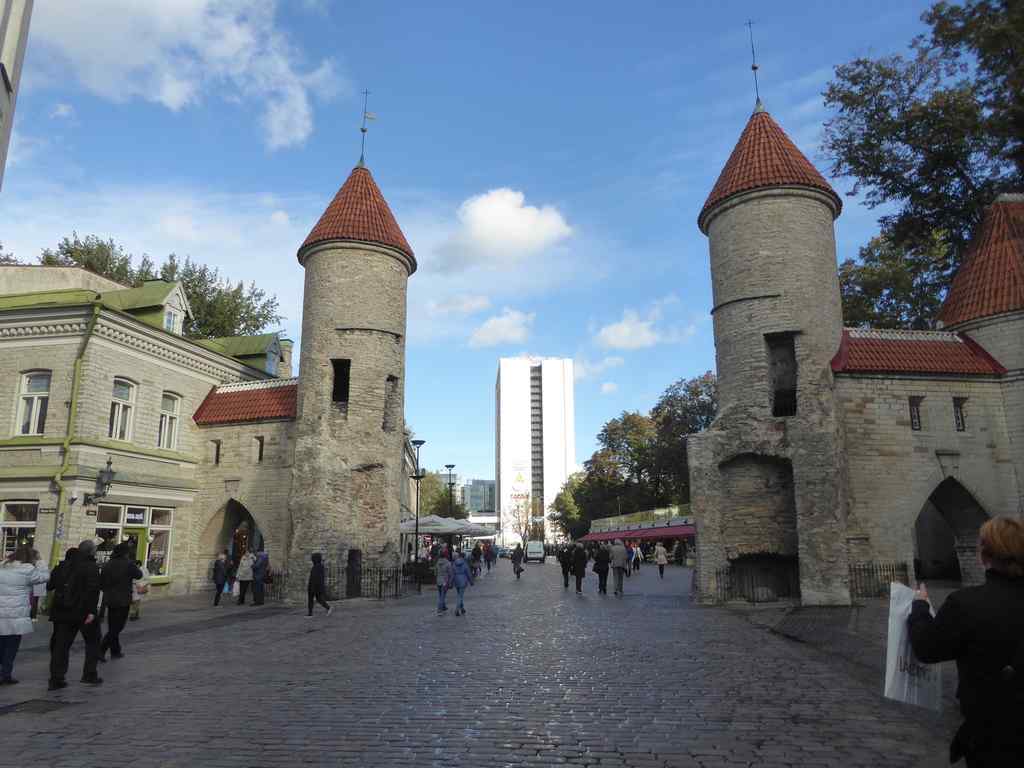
(764, 157)
(991, 279)
(359, 212)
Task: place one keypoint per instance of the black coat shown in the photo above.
(579, 561)
(317, 577)
(602, 560)
(80, 580)
(982, 628)
(116, 582)
(220, 572)
(565, 560)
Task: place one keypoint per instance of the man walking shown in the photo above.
(75, 584)
(220, 576)
(602, 558)
(260, 568)
(565, 560)
(661, 558)
(316, 585)
(116, 582)
(620, 562)
(579, 566)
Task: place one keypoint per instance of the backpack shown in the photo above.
(67, 586)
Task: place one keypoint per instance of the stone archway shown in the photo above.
(233, 528)
(946, 535)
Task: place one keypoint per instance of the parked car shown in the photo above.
(534, 552)
(504, 552)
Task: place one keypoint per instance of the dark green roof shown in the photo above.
(152, 293)
(67, 297)
(240, 346)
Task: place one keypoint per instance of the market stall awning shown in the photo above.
(634, 534)
(432, 525)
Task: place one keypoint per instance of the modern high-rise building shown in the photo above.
(479, 499)
(14, 18)
(535, 441)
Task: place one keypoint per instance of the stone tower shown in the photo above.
(768, 477)
(347, 471)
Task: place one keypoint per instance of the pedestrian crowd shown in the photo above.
(620, 559)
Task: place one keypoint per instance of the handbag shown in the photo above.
(269, 577)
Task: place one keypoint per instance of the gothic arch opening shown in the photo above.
(232, 528)
(946, 535)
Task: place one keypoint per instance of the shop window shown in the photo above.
(342, 376)
(958, 414)
(108, 513)
(146, 530)
(915, 413)
(161, 517)
(18, 522)
(158, 557)
(391, 415)
(122, 408)
(782, 373)
(257, 449)
(33, 403)
(167, 434)
(135, 516)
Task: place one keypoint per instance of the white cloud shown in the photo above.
(23, 148)
(279, 217)
(62, 111)
(174, 52)
(584, 368)
(463, 304)
(631, 332)
(510, 327)
(498, 228)
(609, 388)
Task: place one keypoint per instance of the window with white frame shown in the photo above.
(17, 525)
(167, 434)
(147, 530)
(122, 407)
(172, 321)
(33, 403)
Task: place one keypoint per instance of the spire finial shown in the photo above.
(758, 106)
(362, 129)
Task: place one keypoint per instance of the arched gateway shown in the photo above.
(946, 535)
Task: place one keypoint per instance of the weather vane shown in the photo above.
(753, 60)
(362, 130)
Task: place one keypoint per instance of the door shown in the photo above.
(135, 538)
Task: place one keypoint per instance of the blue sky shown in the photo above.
(545, 160)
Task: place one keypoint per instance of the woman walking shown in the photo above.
(661, 558)
(244, 575)
(316, 586)
(462, 577)
(443, 573)
(982, 628)
(19, 573)
(517, 560)
(579, 566)
(602, 562)
(220, 576)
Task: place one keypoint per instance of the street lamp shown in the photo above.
(103, 483)
(451, 490)
(420, 474)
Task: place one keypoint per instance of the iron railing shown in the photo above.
(756, 585)
(871, 579)
(343, 583)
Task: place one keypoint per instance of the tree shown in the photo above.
(688, 406)
(565, 512)
(219, 307)
(522, 520)
(7, 258)
(434, 498)
(935, 136)
(893, 287)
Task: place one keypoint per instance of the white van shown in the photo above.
(534, 551)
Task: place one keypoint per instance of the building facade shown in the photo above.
(479, 498)
(835, 446)
(211, 443)
(15, 16)
(535, 441)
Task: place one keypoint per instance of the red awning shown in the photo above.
(661, 532)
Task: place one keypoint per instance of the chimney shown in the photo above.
(284, 368)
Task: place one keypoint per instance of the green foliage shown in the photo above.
(434, 498)
(892, 287)
(219, 307)
(934, 137)
(7, 258)
(641, 459)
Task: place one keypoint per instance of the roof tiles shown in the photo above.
(912, 352)
(991, 279)
(764, 157)
(359, 212)
(248, 401)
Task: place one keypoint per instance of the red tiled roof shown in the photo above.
(764, 157)
(920, 352)
(991, 279)
(248, 401)
(359, 212)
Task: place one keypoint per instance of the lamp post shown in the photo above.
(103, 483)
(416, 535)
(451, 489)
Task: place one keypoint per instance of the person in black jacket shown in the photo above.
(220, 576)
(316, 588)
(116, 582)
(75, 584)
(579, 566)
(602, 563)
(565, 560)
(982, 628)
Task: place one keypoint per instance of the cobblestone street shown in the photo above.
(532, 675)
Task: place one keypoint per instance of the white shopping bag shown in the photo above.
(906, 678)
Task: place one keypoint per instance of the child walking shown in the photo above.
(317, 586)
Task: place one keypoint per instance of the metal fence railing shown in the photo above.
(871, 579)
(756, 585)
(344, 583)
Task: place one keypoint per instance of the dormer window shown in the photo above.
(172, 321)
(273, 355)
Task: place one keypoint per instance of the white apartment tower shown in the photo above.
(14, 19)
(535, 439)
